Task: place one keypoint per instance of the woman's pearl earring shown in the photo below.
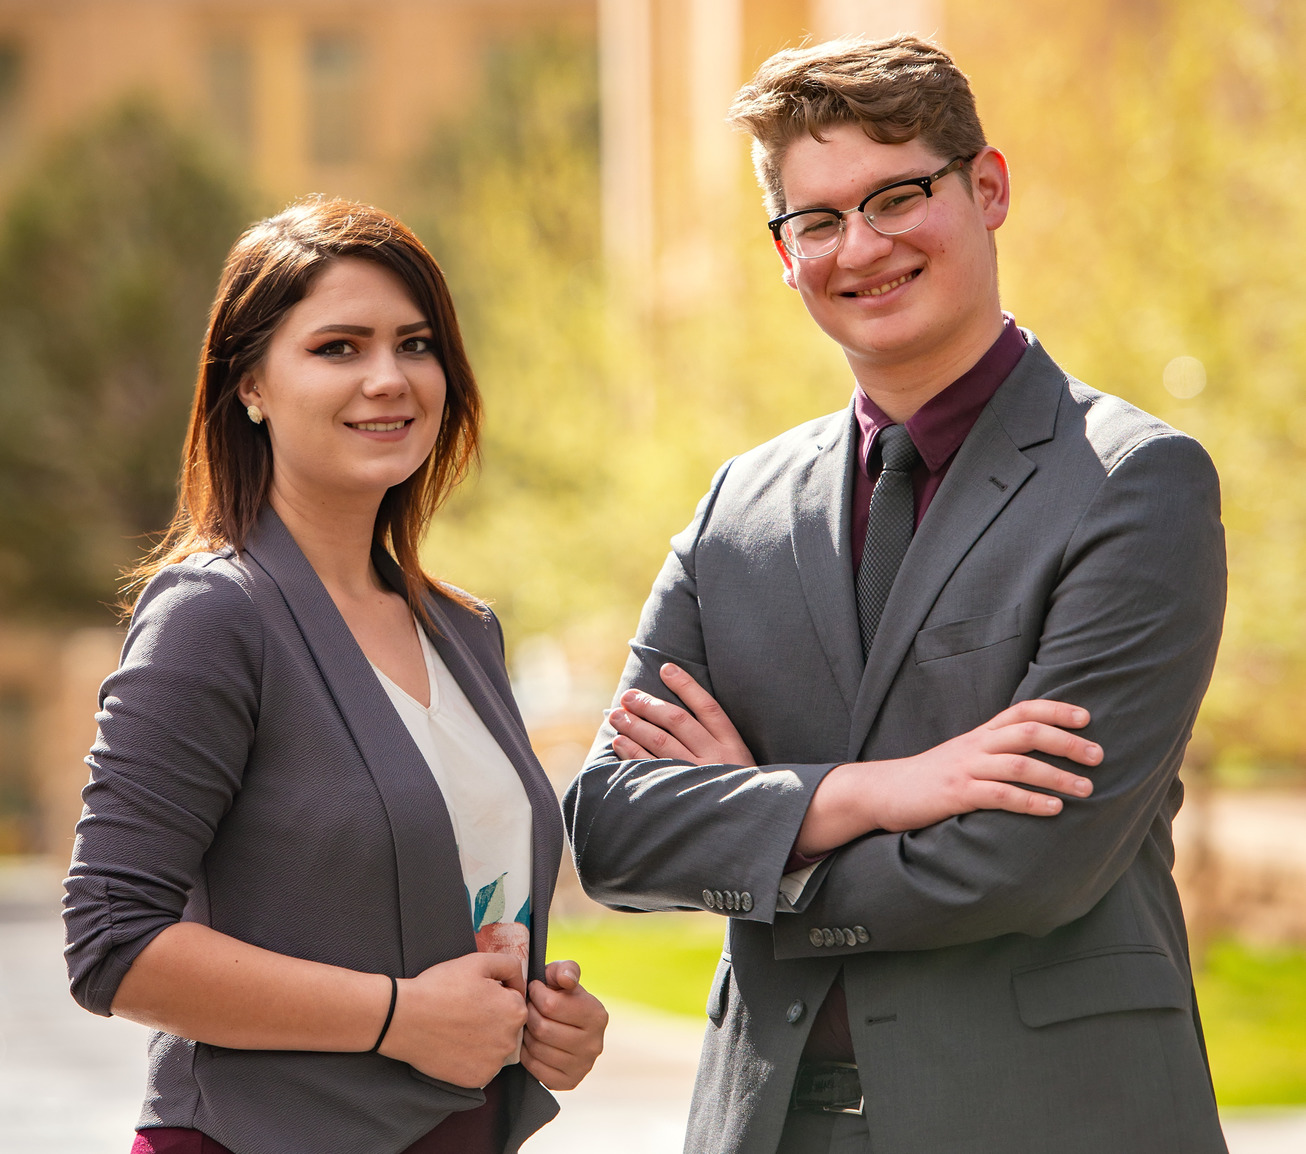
(255, 414)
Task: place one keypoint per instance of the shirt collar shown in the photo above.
(940, 425)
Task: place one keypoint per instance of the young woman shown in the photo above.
(317, 852)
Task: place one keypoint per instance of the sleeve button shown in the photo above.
(862, 936)
(707, 899)
(794, 1014)
(746, 901)
(814, 936)
(827, 937)
(719, 899)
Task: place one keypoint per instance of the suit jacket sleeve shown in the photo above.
(176, 722)
(664, 835)
(1130, 632)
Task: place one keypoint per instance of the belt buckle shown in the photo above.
(816, 1088)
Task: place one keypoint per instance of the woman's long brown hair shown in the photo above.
(227, 460)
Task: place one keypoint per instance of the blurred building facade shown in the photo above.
(672, 168)
(308, 95)
(336, 95)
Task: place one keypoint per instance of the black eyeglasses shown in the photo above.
(892, 210)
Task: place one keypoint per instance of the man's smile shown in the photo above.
(880, 290)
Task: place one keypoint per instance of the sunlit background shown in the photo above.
(568, 164)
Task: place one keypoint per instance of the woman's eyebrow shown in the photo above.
(364, 331)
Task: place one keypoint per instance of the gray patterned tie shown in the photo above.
(889, 529)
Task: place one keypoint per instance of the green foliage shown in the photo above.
(109, 253)
(665, 961)
(1253, 1003)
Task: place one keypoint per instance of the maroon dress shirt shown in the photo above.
(937, 430)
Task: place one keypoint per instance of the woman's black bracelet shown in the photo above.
(389, 1017)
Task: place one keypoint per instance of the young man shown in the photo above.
(928, 950)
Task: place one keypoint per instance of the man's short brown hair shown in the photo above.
(896, 90)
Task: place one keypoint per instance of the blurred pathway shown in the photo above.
(70, 1083)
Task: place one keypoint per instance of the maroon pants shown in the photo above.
(480, 1131)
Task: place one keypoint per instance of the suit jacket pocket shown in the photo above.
(967, 635)
(1107, 981)
(719, 994)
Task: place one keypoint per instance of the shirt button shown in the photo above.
(814, 936)
(707, 898)
(795, 1012)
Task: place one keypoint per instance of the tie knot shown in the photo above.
(897, 450)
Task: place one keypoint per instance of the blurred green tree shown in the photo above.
(109, 252)
(1155, 247)
(603, 426)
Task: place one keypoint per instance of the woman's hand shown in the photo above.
(564, 1028)
(459, 1021)
(983, 769)
(648, 727)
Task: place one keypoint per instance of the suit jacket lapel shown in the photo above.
(988, 471)
(435, 922)
(822, 502)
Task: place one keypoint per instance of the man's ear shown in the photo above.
(990, 183)
(787, 261)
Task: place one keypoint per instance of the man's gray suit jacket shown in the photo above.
(1015, 985)
(250, 774)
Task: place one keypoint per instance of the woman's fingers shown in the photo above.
(564, 1034)
(549, 1076)
(562, 975)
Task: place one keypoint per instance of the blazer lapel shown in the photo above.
(989, 470)
(435, 923)
(821, 501)
(506, 728)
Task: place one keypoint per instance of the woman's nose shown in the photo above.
(385, 376)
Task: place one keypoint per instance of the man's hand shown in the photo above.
(564, 1028)
(648, 727)
(460, 1020)
(983, 769)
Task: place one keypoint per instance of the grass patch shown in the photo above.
(661, 960)
(1253, 1003)
(1253, 999)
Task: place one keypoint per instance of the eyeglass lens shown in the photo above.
(894, 211)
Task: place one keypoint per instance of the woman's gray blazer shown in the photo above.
(251, 774)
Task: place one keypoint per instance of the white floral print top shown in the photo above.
(487, 804)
